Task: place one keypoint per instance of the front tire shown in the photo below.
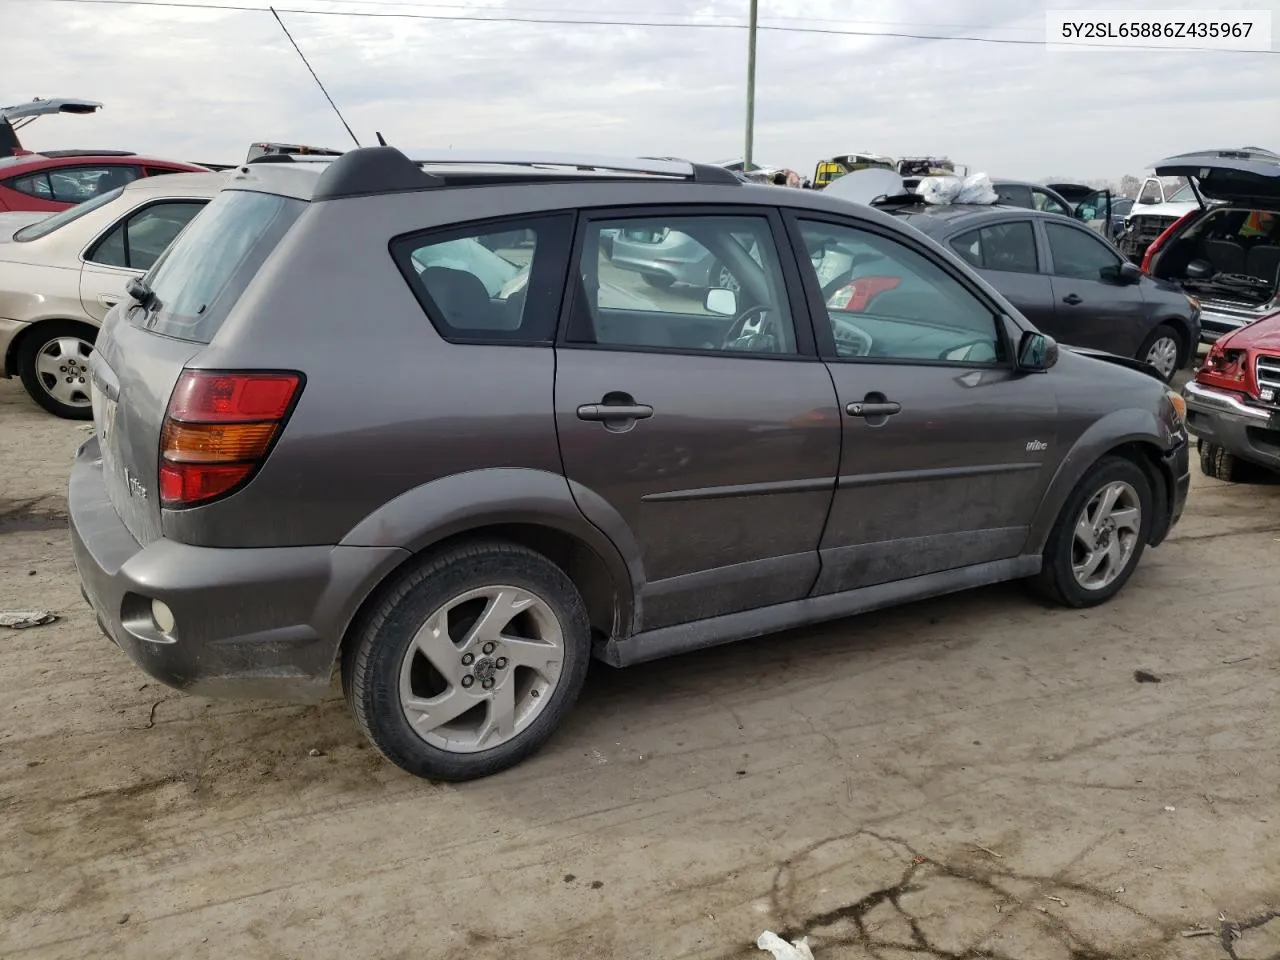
(469, 662)
(53, 364)
(1217, 463)
(1099, 536)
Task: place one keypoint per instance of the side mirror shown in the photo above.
(1199, 270)
(1036, 352)
(721, 301)
(1130, 273)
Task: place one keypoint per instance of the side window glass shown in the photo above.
(36, 185)
(969, 246)
(686, 283)
(1014, 194)
(889, 302)
(137, 242)
(493, 282)
(78, 184)
(1079, 254)
(1043, 201)
(1010, 247)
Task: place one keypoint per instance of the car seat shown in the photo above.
(463, 300)
(1226, 256)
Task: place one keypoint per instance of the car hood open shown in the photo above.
(1247, 177)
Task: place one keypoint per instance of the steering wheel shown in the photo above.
(759, 336)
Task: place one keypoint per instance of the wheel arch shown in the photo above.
(1133, 434)
(10, 359)
(533, 508)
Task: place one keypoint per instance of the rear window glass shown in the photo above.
(198, 280)
(42, 228)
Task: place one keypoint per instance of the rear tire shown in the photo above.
(53, 361)
(1164, 350)
(438, 675)
(1217, 463)
(1117, 534)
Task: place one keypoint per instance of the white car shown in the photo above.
(1157, 208)
(60, 274)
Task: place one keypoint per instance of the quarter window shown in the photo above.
(886, 301)
(137, 242)
(1079, 254)
(1010, 247)
(709, 283)
(497, 282)
(35, 185)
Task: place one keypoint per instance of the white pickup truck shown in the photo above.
(1157, 207)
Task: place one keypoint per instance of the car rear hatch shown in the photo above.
(1244, 178)
(145, 344)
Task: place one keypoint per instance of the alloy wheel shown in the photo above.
(1106, 535)
(62, 370)
(481, 668)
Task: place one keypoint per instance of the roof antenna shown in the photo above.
(382, 141)
(313, 75)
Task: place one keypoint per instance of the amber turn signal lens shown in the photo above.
(215, 442)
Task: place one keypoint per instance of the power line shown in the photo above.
(459, 18)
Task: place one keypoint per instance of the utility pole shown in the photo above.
(751, 88)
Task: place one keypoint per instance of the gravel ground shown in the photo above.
(969, 777)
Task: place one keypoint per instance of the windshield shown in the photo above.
(42, 228)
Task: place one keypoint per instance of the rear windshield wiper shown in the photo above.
(141, 291)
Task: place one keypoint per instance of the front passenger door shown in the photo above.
(947, 447)
(709, 435)
(1092, 307)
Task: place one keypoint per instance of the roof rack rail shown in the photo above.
(373, 170)
(587, 163)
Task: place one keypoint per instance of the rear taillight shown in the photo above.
(218, 430)
(1164, 237)
(854, 297)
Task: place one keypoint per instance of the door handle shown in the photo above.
(107, 301)
(868, 409)
(599, 412)
(1072, 299)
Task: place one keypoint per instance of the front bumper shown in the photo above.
(263, 622)
(1249, 432)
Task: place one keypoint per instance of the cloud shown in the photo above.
(202, 84)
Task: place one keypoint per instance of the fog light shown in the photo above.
(163, 616)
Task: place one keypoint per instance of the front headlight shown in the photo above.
(1179, 404)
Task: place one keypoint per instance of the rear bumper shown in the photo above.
(1248, 432)
(249, 623)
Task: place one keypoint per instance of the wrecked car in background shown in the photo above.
(1233, 405)
(1226, 251)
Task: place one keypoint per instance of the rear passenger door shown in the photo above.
(1007, 255)
(1092, 306)
(703, 422)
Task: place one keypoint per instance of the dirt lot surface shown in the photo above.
(971, 777)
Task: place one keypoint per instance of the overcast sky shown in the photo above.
(201, 84)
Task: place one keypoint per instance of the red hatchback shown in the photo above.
(60, 179)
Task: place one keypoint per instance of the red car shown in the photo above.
(1233, 405)
(60, 179)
